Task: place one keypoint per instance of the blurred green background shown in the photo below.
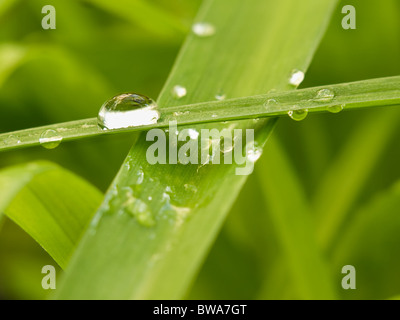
(100, 49)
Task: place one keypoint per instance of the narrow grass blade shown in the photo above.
(51, 204)
(154, 250)
(11, 56)
(347, 175)
(291, 215)
(371, 244)
(348, 96)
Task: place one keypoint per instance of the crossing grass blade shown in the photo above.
(50, 203)
(123, 258)
(370, 243)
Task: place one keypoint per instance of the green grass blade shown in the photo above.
(146, 14)
(348, 96)
(370, 243)
(121, 257)
(11, 57)
(291, 215)
(51, 204)
(347, 175)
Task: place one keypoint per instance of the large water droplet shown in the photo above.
(336, 108)
(299, 114)
(179, 92)
(296, 78)
(325, 95)
(203, 29)
(128, 110)
(50, 139)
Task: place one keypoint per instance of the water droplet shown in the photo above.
(12, 140)
(182, 214)
(253, 151)
(270, 103)
(181, 113)
(325, 95)
(256, 120)
(227, 145)
(214, 116)
(137, 208)
(141, 212)
(139, 176)
(296, 78)
(50, 139)
(128, 110)
(220, 96)
(193, 134)
(336, 108)
(179, 91)
(299, 114)
(191, 188)
(203, 29)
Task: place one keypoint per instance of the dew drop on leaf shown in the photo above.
(270, 103)
(336, 108)
(12, 140)
(179, 92)
(50, 139)
(253, 151)
(325, 95)
(296, 77)
(128, 110)
(220, 96)
(203, 29)
(298, 115)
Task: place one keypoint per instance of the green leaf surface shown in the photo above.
(144, 251)
(50, 203)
